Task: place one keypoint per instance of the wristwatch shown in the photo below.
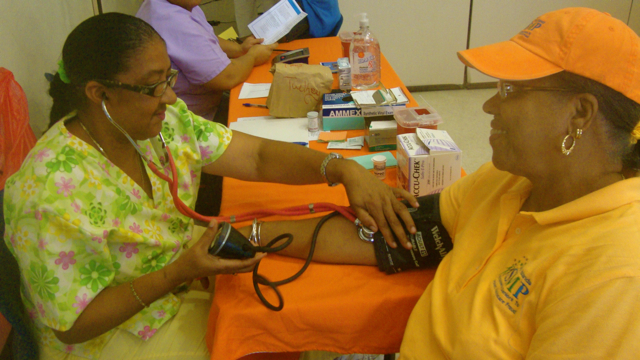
(323, 167)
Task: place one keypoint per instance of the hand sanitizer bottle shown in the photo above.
(365, 57)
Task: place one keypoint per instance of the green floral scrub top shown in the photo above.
(77, 224)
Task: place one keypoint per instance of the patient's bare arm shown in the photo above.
(338, 240)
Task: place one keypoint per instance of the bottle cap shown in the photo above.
(379, 159)
(312, 114)
(363, 20)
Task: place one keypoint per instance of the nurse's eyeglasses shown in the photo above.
(155, 90)
(505, 88)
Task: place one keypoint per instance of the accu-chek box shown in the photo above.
(428, 161)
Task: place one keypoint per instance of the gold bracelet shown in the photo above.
(136, 295)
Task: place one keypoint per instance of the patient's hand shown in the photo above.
(376, 204)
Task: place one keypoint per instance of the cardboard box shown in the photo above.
(428, 161)
(340, 112)
(381, 135)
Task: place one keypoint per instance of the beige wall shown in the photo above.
(122, 6)
(634, 16)
(419, 38)
(32, 35)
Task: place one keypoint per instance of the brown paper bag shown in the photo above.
(297, 89)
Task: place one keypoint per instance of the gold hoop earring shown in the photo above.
(566, 151)
(578, 134)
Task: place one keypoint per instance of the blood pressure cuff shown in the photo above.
(429, 244)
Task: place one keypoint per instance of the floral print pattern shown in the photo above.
(94, 276)
(78, 224)
(44, 282)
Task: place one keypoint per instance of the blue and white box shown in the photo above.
(340, 112)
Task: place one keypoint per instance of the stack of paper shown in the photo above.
(379, 97)
(289, 130)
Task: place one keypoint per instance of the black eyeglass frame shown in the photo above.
(505, 88)
(145, 89)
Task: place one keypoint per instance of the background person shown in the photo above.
(100, 245)
(207, 64)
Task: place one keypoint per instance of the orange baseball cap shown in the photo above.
(582, 41)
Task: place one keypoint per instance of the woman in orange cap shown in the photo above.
(546, 256)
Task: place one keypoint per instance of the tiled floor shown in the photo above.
(464, 120)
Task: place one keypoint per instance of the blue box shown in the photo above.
(339, 112)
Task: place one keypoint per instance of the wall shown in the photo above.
(122, 6)
(32, 35)
(419, 38)
(634, 16)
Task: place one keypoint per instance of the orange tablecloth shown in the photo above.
(347, 309)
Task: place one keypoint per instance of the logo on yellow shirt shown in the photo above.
(512, 285)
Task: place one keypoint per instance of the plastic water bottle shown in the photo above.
(365, 57)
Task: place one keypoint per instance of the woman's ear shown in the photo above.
(95, 92)
(586, 110)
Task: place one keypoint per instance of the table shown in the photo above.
(340, 308)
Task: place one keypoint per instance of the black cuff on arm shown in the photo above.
(430, 243)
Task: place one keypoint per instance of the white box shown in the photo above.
(381, 135)
(428, 161)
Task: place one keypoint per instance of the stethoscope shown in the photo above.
(166, 159)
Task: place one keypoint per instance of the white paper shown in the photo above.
(249, 118)
(252, 91)
(436, 140)
(269, 127)
(401, 98)
(277, 21)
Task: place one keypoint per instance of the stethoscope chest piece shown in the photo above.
(229, 243)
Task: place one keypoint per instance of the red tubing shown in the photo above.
(346, 211)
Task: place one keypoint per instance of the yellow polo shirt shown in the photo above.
(558, 284)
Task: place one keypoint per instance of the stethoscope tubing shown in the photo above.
(346, 211)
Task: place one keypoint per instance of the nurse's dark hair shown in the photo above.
(622, 114)
(99, 48)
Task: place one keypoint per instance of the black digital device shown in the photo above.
(293, 56)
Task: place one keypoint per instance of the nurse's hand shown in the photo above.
(376, 204)
(196, 262)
